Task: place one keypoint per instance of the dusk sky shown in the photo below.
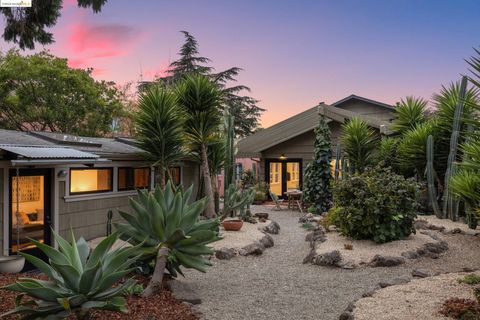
(294, 53)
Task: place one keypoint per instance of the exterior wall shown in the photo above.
(88, 218)
(247, 164)
(366, 108)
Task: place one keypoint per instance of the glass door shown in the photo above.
(284, 175)
(276, 179)
(29, 209)
(293, 176)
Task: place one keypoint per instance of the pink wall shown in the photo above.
(247, 164)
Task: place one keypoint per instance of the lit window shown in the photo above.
(175, 173)
(90, 180)
(133, 178)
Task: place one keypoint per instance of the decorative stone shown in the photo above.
(421, 273)
(435, 247)
(316, 235)
(410, 255)
(225, 253)
(332, 258)
(267, 241)
(310, 257)
(454, 231)
(389, 283)
(261, 215)
(386, 261)
(183, 292)
(368, 294)
(255, 248)
(346, 315)
(272, 228)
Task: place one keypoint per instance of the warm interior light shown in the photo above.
(282, 156)
(90, 180)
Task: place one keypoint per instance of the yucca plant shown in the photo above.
(169, 229)
(359, 142)
(409, 113)
(79, 280)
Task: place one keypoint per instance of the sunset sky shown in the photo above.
(295, 53)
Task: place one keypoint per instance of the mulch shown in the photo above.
(161, 306)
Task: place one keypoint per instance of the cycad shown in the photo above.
(79, 280)
(409, 113)
(167, 225)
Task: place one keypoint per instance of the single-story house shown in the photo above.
(61, 181)
(284, 149)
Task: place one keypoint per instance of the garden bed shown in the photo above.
(418, 299)
(236, 240)
(159, 306)
(446, 226)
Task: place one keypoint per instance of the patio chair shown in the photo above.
(276, 200)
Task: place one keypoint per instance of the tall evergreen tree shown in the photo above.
(244, 108)
(318, 173)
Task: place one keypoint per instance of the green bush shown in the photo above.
(377, 205)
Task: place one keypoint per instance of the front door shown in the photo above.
(284, 175)
(29, 209)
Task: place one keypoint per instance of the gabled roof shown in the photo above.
(47, 152)
(303, 122)
(355, 97)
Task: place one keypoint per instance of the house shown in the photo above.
(284, 149)
(64, 182)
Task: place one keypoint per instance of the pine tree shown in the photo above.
(244, 108)
(318, 174)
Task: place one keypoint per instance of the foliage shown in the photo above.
(79, 280)
(166, 219)
(463, 309)
(471, 279)
(260, 196)
(40, 92)
(244, 109)
(248, 179)
(387, 153)
(26, 26)
(377, 205)
(229, 133)
(308, 226)
(236, 199)
(159, 125)
(409, 113)
(359, 143)
(318, 174)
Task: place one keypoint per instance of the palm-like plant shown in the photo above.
(359, 142)
(200, 100)
(160, 128)
(409, 113)
(168, 228)
(79, 280)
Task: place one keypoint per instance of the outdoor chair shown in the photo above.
(276, 200)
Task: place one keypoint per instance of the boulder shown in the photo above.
(255, 248)
(332, 258)
(267, 241)
(272, 228)
(410, 255)
(183, 292)
(225, 253)
(310, 257)
(261, 215)
(435, 247)
(346, 315)
(386, 261)
(421, 273)
(316, 235)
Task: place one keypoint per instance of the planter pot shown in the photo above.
(11, 264)
(232, 225)
(258, 202)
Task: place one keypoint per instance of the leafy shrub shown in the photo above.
(457, 308)
(377, 205)
(470, 279)
(79, 280)
(260, 196)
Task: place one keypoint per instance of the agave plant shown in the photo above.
(79, 280)
(168, 228)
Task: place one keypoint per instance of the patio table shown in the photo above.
(294, 198)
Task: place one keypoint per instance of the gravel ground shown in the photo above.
(239, 239)
(276, 285)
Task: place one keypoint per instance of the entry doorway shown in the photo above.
(29, 214)
(283, 175)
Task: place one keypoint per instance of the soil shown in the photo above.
(161, 306)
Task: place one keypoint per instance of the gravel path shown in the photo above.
(276, 285)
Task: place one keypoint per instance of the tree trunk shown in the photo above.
(216, 194)
(161, 175)
(155, 284)
(207, 182)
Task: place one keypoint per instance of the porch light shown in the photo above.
(283, 157)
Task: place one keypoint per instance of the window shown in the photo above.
(133, 178)
(90, 180)
(176, 174)
(238, 170)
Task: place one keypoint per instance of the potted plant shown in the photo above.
(260, 197)
(235, 199)
(14, 263)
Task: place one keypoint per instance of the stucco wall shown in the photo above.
(88, 218)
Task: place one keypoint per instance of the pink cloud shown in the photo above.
(159, 71)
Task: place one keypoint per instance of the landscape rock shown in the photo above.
(421, 273)
(272, 228)
(305, 218)
(389, 283)
(332, 258)
(435, 247)
(454, 231)
(255, 248)
(410, 255)
(368, 294)
(386, 261)
(261, 215)
(310, 257)
(316, 235)
(346, 315)
(183, 292)
(267, 241)
(430, 234)
(225, 253)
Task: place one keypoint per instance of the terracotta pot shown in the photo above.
(258, 202)
(11, 264)
(232, 225)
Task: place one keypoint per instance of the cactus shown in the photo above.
(450, 205)
(338, 155)
(229, 167)
(109, 222)
(432, 194)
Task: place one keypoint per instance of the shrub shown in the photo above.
(457, 308)
(377, 205)
(470, 279)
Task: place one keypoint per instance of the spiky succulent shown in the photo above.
(79, 280)
(166, 218)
